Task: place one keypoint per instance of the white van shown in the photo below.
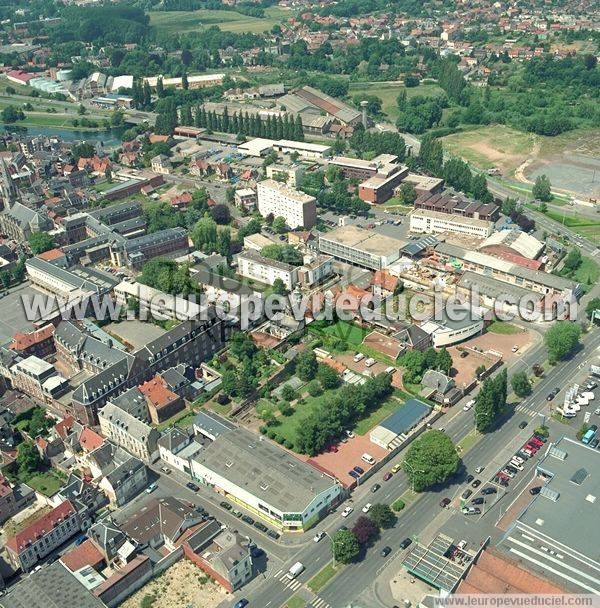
(358, 357)
(369, 362)
(390, 370)
(368, 458)
(295, 570)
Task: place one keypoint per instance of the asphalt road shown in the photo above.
(356, 578)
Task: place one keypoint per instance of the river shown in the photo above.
(109, 138)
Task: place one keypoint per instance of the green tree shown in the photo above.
(279, 225)
(444, 360)
(345, 546)
(561, 340)
(279, 287)
(520, 384)
(5, 279)
(328, 377)
(40, 242)
(408, 193)
(204, 235)
(542, 188)
(306, 365)
(573, 260)
(365, 530)
(431, 459)
(28, 459)
(490, 401)
(11, 114)
(591, 306)
(382, 515)
(288, 393)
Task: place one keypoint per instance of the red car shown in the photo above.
(536, 441)
(532, 448)
(332, 448)
(387, 476)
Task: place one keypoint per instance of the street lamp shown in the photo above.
(412, 471)
(332, 547)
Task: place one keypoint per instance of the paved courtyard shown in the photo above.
(134, 333)
(12, 316)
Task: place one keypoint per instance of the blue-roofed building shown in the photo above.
(392, 432)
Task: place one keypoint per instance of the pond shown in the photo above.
(109, 138)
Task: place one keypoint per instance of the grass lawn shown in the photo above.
(389, 406)
(181, 419)
(295, 602)
(317, 582)
(506, 329)
(41, 119)
(468, 441)
(228, 21)
(583, 226)
(343, 330)
(47, 483)
(587, 274)
(388, 93)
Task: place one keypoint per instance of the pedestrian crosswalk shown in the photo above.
(294, 585)
(525, 410)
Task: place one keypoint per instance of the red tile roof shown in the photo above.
(86, 554)
(157, 393)
(5, 489)
(90, 440)
(41, 527)
(63, 428)
(22, 341)
(385, 280)
(51, 255)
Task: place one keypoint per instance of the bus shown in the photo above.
(589, 435)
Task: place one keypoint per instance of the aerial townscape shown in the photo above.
(299, 303)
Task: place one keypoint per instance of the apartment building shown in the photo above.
(38, 379)
(32, 544)
(297, 208)
(169, 243)
(433, 222)
(290, 174)
(252, 265)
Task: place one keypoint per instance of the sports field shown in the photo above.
(174, 22)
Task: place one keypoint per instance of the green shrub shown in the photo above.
(398, 505)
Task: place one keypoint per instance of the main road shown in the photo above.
(356, 578)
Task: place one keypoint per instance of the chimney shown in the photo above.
(363, 105)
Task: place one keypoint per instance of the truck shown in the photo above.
(295, 570)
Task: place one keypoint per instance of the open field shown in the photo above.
(388, 93)
(229, 21)
(588, 273)
(585, 227)
(506, 329)
(492, 146)
(570, 159)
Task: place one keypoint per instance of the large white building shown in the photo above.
(423, 221)
(297, 208)
(252, 265)
(268, 481)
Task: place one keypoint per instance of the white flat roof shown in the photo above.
(302, 145)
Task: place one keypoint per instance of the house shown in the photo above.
(181, 201)
(32, 544)
(162, 402)
(440, 388)
(176, 447)
(199, 167)
(161, 164)
(384, 284)
(13, 498)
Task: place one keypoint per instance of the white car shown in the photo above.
(469, 405)
(319, 536)
(597, 411)
(358, 357)
(479, 469)
(347, 511)
(349, 434)
(367, 508)
(515, 348)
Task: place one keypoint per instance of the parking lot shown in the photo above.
(13, 318)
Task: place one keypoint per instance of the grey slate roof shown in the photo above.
(51, 587)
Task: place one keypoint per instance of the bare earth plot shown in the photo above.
(183, 584)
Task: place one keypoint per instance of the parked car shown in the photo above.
(241, 603)
(478, 501)
(358, 357)
(468, 405)
(192, 486)
(471, 510)
(470, 478)
(226, 505)
(358, 469)
(354, 474)
(347, 511)
(466, 494)
(535, 490)
(319, 536)
(375, 487)
(166, 470)
(508, 472)
(247, 519)
(542, 439)
(489, 490)
(151, 488)
(273, 534)
(444, 502)
(396, 467)
(476, 483)
(479, 469)
(387, 476)
(594, 444)
(260, 526)
(237, 513)
(350, 434)
(386, 551)
(367, 507)
(405, 543)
